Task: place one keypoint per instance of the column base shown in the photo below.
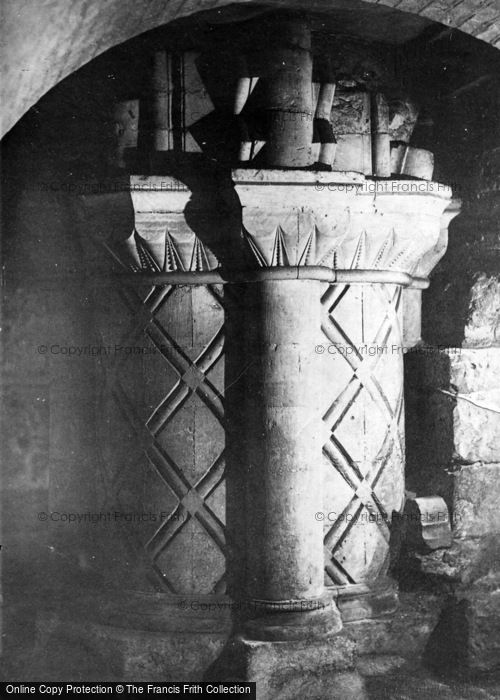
(289, 620)
(323, 669)
(362, 601)
(294, 626)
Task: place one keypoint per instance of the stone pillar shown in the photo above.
(310, 288)
(283, 460)
(288, 100)
(162, 102)
(304, 226)
(280, 114)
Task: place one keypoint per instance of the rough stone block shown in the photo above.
(342, 685)
(288, 670)
(454, 406)
(476, 427)
(482, 617)
(351, 113)
(427, 523)
(353, 153)
(404, 633)
(69, 649)
(476, 496)
(483, 322)
(403, 118)
(466, 561)
(473, 369)
(467, 637)
(419, 684)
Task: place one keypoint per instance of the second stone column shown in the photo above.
(282, 449)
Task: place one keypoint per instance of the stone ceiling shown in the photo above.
(46, 40)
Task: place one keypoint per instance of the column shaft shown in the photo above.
(288, 101)
(283, 441)
(282, 452)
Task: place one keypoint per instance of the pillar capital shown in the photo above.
(164, 238)
(342, 221)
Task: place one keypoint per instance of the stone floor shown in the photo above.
(419, 684)
(384, 672)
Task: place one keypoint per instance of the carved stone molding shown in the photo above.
(431, 258)
(338, 220)
(162, 239)
(412, 298)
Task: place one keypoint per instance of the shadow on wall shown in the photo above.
(428, 422)
(446, 650)
(448, 306)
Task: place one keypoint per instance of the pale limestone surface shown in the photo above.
(483, 322)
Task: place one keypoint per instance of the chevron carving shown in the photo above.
(346, 252)
(171, 253)
(301, 218)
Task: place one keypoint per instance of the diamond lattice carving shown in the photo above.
(190, 363)
(362, 459)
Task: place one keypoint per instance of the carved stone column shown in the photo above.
(305, 317)
(364, 240)
(284, 488)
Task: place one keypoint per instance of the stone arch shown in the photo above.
(46, 40)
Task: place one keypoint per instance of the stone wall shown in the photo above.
(453, 424)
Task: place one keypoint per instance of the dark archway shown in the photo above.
(46, 41)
